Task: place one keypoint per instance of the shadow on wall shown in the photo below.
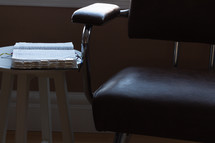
(111, 49)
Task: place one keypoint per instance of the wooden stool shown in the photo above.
(23, 80)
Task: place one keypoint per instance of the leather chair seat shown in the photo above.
(167, 103)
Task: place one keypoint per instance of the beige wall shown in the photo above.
(111, 50)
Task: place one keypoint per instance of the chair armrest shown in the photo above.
(124, 13)
(96, 14)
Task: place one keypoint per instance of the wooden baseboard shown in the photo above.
(94, 138)
(81, 112)
(82, 122)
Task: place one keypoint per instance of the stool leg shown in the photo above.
(21, 108)
(60, 86)
(45, 108)
(6, 87)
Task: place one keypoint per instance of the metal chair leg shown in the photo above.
(121, 138)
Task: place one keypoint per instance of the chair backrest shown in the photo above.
(178, 20)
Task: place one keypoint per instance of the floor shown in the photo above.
(35, 137)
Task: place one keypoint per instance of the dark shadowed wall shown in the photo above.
(111, 50)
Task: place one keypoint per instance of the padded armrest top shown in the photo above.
(96, 14)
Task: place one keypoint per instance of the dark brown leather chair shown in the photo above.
(169, 103)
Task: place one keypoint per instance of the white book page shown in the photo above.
(48, 46)
(25, 54)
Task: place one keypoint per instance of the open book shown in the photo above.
(45, 55)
